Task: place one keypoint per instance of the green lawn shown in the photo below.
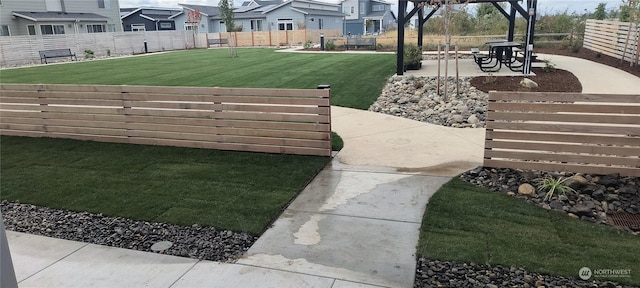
(465, 223)
(239, 191)
(356, 79)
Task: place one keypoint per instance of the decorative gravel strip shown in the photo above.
(198, 242)
(433, 273)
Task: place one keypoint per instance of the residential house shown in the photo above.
(50, 17)
(367, 17)
(183, 22)
(148, 19)
(259, 15)
(305, 14)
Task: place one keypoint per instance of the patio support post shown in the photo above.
(532, 6)
(512, 20)
(402, 9)
(420, 27)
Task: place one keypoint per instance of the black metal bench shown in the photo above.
(480, 58)
(56, 53)
(218, 41)
(356, 42)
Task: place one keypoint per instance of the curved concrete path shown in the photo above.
(355, 225)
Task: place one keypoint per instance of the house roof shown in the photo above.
(381, 1)
(147, 12)
(249, 15)
(307, 1)
(58, 16)
(376, 14)
(204, 10)
(308, 11)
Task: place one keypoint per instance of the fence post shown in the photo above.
(7, 274)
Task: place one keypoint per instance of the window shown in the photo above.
(4, 30)
(361, 8)
(188, 27)
(285, 24)
(51, 29)
(223, 27)
(96, 28)
(165, 25)
(378, 7)
(31, 29)
(353, 9)
(53, 5)
(104, 4)
(320, 23)
(137, 28)
(256, 25)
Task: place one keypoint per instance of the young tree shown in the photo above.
(226, 14)
(601, 11)
(193, 18)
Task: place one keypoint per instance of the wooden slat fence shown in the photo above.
(289, 121)
(586, 133)
(612, 38)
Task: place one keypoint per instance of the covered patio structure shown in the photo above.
(528, 12)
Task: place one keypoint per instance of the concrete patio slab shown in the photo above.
(408, 145)
(214, 274)
(102, 266)
(31, 253)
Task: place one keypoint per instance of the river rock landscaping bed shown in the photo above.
(195, 241)
(416, 98)
(595, 197)
(433, 273)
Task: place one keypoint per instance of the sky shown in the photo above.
(544, 6)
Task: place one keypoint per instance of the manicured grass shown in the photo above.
(469, 224)
(228, 190)
(356, 79)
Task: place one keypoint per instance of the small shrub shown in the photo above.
(88, 54)
(308, 44)
(554, 186)
(379, 46)
(108, 52)
(576, 46)
(549, 67)
(330, 45)
(412, 56)
(598, 55)
(490, 78)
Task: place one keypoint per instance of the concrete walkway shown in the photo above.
(355, 225)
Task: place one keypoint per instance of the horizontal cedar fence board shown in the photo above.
(565, 117)
(567, 97)
(566, 138)
(595, 108)
(587, 159)
(601, 170)
(546, 132)
(569, 128)
(564, 148)
(274, 125)
(295, 121)
(228, 131)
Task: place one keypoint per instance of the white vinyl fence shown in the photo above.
(22, 50)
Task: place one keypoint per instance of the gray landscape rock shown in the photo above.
(528, 83)
(526, 189)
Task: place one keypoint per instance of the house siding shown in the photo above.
(148, 24)
(354, 28)
(18, 26)
(285, 12)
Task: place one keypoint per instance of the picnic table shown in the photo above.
(501, 53)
